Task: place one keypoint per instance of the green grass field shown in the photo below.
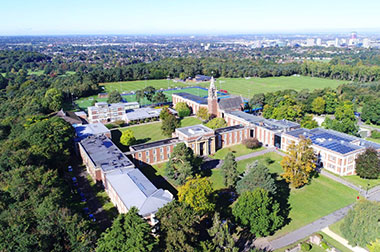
(373, 140)
(237, 150)
(149, 132)
(85, 102)
(239, 86)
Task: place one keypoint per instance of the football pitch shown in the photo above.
(246, 87)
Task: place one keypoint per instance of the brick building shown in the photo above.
(335, 151)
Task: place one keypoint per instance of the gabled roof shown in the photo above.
(69, 117)
(134, 189)
(192, 97)
(230, 103)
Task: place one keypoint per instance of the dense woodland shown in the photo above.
(37, 207)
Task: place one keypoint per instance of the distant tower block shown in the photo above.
(354, 35)
(212, 99)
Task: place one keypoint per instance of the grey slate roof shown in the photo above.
(230, 128)
(134, 189)
(230, 103)
(69, 117)
(158, 143)
(192, 97)
(144, 113)
(105, 154)
(85, 130)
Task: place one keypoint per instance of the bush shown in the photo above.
(183, 109)
(305, 246)
(119, 123)
(375, 134)
(251, 143)
(110, 126)
(324, 245)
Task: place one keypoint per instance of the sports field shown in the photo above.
(241, 86)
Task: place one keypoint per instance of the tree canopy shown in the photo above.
(216, 123)
(127, 137)
(368, 164)
(183, 109)
(229, 170)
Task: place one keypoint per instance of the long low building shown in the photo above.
(126, 185)
(335, 151)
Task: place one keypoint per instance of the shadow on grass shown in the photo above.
(282, 197)
(157, 180)
(116, 135)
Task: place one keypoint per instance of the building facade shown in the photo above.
(103, 112)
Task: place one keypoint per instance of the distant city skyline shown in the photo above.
(43, 17)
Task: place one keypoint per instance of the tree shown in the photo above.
(345, 120)
(332, 102)
(53, 99)
(256, 176)
(169, 124)
(164, 113)
(114, 97)
(374, 246)
(129, 232)
(308, 122)
(221, 238)
(197, 193)
(127, 138)
(299, 163)
(182, 164)
(258, 211)
(203, 113)
(229, 171)
(183, 109)
(368, 164)
(149, 92)
(139, 95)
(318, 105)
(251, 143)
(361, 224)
(160, 97)
(216, 123)
(177, 227)
(371, 111)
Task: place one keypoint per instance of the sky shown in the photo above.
(60, 17)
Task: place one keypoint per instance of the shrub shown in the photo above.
(324, 245)
(183, 109)
(305, 246)
(251, 143)
(119, 123)
(110, 126)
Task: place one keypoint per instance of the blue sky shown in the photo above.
(36, 17)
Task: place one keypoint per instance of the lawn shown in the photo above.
(128, 86)
(363, 183)
(336, 227)
(216, 175)
(85, 102)
(373, 140)
(237, 150)
(321, 197)
(334, 243)
(149, 132)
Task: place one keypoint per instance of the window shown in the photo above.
(168, 155)
(332, 158)
(161, 157)
(154, 152)
(155, 159)
(168, 148)
(139, 154)
(161, 149)
(330, 166)
(147, 160)
(147, 153)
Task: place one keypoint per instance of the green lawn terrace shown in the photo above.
(85, 102)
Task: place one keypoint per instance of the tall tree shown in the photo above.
(177, 227)
(183, 109)
(229, 171)
(203, 113)
(258, 211)
(371, 111)
(139, 95)
(361, 226)
(182, 164)
(53, 99)
(114, 97)
(308, 122)
(149, 92)
(129, 232)
(221, 238)
(198, 194)
(160, 97)
(256, 176)
(216, 123)
(368, 164)
(299, 163)
(169, 124)
(127, 138)
(318, 105)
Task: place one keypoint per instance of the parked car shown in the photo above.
(70, 168)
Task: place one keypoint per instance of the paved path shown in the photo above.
(342, 241)
(309, 229)
(255, 154)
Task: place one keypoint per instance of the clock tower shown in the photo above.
(212, 99)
